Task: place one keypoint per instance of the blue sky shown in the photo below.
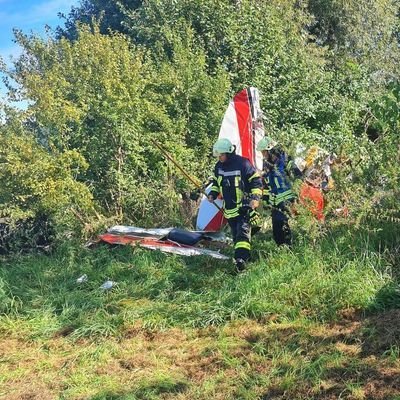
(27, 15)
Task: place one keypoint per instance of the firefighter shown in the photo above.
(277, 190)
(240, 186)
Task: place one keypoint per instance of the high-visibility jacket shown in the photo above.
(276, 184)
(237, 181)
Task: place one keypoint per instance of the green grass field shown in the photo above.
(319, 321)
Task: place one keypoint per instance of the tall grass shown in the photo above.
(316, 279)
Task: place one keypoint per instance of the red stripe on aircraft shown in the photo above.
(243, 115)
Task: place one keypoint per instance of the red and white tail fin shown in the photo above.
(243, 125)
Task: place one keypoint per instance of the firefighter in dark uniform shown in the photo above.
(240, 186)
(277, 189)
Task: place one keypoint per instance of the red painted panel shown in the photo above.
(243, 115)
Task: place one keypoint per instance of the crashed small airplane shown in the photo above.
(243, 126)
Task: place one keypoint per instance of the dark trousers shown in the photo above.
(280, 225)
(241, 232)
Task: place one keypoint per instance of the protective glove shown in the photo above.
(255, 219)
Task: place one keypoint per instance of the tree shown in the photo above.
(361, 31)
(108, 12)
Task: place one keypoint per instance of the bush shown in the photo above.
(40, 196)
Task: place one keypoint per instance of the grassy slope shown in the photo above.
(319, 321)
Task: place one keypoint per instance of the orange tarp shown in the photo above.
(312, 198)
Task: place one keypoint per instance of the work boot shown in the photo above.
(240, 265)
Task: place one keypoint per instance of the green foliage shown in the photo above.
(386, 110)
(272, 55)
(38, 187)
(6, 302)
(101, 97)
(363, 32)
(87, 97)
(192, 99)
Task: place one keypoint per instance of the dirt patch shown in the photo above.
(64, 331)
(366, 342)
(383, 388)
(381, 332)
(29, 391)
(254, 332)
